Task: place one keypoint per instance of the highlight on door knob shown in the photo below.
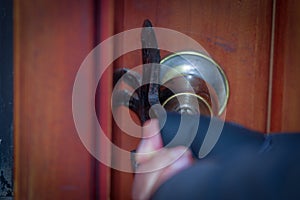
(192, 83)
(187, 82)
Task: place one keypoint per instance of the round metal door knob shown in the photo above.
(192, 82)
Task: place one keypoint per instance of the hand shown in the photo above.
(156, 167)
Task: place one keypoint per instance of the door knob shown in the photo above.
(199, 84)
(187, 82)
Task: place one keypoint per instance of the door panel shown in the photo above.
(51, 39)
(237, 34)
(285, 89)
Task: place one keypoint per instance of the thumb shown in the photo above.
(151, 141)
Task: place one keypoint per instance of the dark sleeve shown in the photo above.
(242, 165)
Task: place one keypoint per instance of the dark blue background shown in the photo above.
(6, 99)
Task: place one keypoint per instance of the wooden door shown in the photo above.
(284, 85)
(51, 40)
(255, 42)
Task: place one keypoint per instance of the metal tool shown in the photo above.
(192, 83)
(147, 93)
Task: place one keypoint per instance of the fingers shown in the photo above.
(172, 158)
(160, 167)
(155, 163)
(151, 141)
(178, 165)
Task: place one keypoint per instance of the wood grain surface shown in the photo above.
(51, 40)
(237, 34)
(286, 85)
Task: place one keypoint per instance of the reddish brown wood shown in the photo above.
(51, 39)
(122, 181)
(286, 90)
(237, 34)
(105, 29)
